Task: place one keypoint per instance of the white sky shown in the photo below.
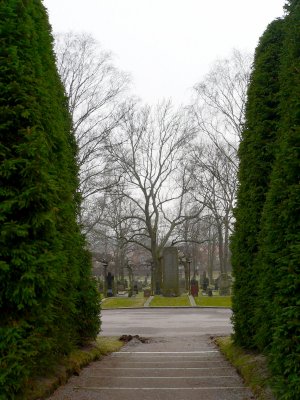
(166, 45)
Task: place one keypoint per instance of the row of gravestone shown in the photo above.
(171, 283)
(170, 277)
(137, 286)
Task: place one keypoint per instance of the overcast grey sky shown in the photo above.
(166, 45)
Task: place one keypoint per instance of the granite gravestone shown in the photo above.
(204, 281)
(109, 284)
(170, 272)
(224, 285)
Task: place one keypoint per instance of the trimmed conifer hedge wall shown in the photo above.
(256, 154)
(266, 242)
(48, 301)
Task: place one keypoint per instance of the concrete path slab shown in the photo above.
(163, 369)
(148, 301)
(192, 301)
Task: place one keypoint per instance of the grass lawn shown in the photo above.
(251, 366)
(117, 302)
(160, 301)
(217, 301)
(40, 387)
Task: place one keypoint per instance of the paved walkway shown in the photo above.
(166, 322)
(192, 301)
(148, 301)
(170, 368)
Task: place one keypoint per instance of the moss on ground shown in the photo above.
(42, 387)
(251, 366)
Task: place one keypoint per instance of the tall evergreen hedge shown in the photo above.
(48, 302)
(279, 256)
(271, 322)
(256, 154)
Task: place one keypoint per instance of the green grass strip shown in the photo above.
(214, 301)
(43, 386)
(160, 301)
(119, 302)
(251, 366)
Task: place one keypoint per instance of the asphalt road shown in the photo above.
(166, 322)
(179, 361)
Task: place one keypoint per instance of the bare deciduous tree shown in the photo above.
(215, 189)
(220, 100)
(150, 152)
(218, 111)
(95, 90)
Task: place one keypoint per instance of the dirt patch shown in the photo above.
(129, 338)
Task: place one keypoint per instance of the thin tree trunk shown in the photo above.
(226, 246)
(211, 258)
(221, 248)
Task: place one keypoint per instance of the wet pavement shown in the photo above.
(178, 362)
(168, 368)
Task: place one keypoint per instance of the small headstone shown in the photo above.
(194, 288)
(204, 281)
(121, 288)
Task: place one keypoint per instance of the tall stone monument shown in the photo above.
(170, 272)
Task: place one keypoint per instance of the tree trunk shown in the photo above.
(226, 245)
(221, 248)
(157, 272)
(211, 258)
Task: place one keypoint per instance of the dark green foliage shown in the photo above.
(46, 293)
(256, 155)
(271, 265)
(280, 240)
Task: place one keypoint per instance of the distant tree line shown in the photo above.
(154, 176)
(48, 301)
(266, 241)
